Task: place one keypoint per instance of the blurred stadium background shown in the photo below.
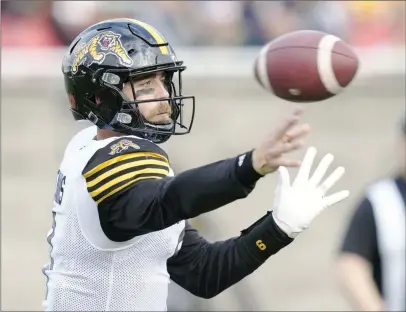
(218, 40)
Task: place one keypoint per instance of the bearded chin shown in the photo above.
(161, 110)
(163, 122)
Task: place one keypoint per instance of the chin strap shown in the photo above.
(157, 133)
(158, 137)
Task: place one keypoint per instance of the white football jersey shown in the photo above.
(89, 272)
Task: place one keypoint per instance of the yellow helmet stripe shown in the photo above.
(153, 32)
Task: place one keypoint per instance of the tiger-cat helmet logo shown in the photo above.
(97, 48)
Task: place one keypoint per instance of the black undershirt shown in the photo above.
(202, 268)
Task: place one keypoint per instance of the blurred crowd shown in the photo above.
(55, 23)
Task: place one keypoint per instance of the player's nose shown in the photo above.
(162, 92)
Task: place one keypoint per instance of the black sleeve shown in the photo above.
(136, 195)
(206, 269)
(360, 237)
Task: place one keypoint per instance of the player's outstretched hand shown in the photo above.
(285, 138)
(297, 204)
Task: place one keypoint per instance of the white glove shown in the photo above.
(296, 205)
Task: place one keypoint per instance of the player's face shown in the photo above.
(148, 88)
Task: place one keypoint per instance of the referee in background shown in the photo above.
(372, 260)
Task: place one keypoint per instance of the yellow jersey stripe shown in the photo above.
(126, 177)
(154, 33)
(124, 167)
(123, 186)
(121, 158)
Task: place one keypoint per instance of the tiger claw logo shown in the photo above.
(96, 50)
(122, 145)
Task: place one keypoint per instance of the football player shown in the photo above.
(120, 231)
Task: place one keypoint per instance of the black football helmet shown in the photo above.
(105, 56)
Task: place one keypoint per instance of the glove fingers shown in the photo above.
(304, 170)
(283, 178)
(332, 179)
(335, 198)
(321, 169)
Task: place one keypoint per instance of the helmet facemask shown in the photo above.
(128, 118)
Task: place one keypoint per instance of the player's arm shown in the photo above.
(358, 251)
(206, 269)
(135, 194)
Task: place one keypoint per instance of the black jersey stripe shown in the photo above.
(125, 168)
(123, 185)
(123, 162)
(129, 171)
(127, 176)
(114, 161)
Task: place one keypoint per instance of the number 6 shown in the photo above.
(260, 245)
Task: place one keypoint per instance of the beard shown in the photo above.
(160, 115)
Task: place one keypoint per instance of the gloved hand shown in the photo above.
(297, 204)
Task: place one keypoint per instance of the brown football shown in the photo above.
(306, 66)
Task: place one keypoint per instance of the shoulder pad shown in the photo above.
(121, 163)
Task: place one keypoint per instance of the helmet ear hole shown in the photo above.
(107, 102)
(97, 98)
